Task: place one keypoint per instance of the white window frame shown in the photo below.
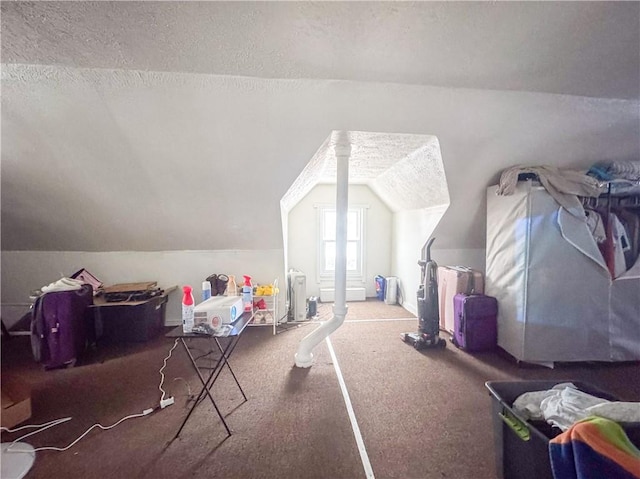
(324, 274)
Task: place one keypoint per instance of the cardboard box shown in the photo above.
(16, 402)
(217, 311)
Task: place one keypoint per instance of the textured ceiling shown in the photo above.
(555, 47)
(372, 154)
(405, 171)
(161, 126)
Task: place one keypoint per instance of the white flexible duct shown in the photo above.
(304, 356)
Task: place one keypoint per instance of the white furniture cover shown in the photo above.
(556, 298)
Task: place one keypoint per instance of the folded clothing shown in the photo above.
(618, 169)
(623, 176)
(63, 284)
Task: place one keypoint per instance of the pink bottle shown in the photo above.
(247, 294)
(187, 309)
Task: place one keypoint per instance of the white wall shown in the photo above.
(126, 144)
(411, 230)
(473, 258)
(303, 233)
(24, 271)
(129, 143)
(394, 241)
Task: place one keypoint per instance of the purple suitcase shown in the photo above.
(60, 326)
(475, 322)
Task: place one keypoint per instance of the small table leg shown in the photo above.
(225, 357)
(205, 390)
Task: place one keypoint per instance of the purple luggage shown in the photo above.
(475, 322)
(451, 281)
(60, 326)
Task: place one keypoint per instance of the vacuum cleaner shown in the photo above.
(428, 315)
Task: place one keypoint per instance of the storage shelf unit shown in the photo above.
(267, 316)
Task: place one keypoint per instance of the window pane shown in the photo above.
(353, 226)
(352, 256)
(329, 255)
(329, 225)
(327, 246)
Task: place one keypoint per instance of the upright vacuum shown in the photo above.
(428, 315)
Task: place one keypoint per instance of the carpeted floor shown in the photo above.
(365, 310)
(421, 414)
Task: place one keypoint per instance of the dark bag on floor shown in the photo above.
(475, 322)
(60, 327)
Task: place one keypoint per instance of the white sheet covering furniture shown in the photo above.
(556, 299)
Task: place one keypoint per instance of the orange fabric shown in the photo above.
(591, 435)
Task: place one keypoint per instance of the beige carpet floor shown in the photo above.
(422, 414)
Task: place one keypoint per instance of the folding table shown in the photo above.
(232, 332)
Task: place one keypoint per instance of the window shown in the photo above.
(327, 242)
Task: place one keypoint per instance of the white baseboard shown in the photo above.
(327, 295)
(172, 322)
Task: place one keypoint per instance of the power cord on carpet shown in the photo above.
(169, 401)
(60, 421)
(42, 427)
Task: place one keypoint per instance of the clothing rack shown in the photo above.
(632, 201)
(611, 199)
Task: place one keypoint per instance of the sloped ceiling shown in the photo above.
(405, 171)
(554, 47)
(180, 125)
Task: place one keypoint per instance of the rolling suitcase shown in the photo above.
(60, 326)
(476, 322)
(451, 281)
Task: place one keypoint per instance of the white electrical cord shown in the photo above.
(60, 421)
(45, 425)
(164, 365)
(55, 422)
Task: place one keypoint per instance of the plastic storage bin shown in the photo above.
(135, 321)
(522, 447)
(380, 287)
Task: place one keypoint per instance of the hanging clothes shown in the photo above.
(596, 225)
(631, 221)
(613, 248)
(622, 245)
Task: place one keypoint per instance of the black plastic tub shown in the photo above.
(522, 447)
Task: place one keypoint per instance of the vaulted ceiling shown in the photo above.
(575, 48)
(180, 125)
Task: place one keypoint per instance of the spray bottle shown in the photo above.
(247, 294)
(187, 309)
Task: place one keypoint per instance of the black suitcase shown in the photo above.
(61, 324)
